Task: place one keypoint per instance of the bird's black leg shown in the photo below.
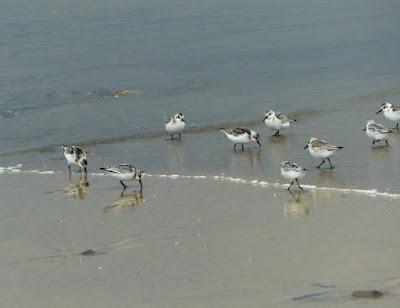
(290, 185)
(330, 163)
(123, 188)
(276, 134)
(70, 173)
(234, 147)
(123, 185)
(172, 136)
(387, 143)
(141, 184)
(321, 164)
(242, 147)
(297, 181)
(373, 142)
(397, 126)
(85, 169)
(180, 136)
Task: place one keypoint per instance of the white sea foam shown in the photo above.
(17, 169)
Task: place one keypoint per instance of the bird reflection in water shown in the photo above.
(77, 189)
(295, 208)
(126, 200)
(250, 157)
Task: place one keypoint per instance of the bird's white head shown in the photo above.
(269, 113)
(385, 107)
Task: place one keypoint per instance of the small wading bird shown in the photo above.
(277, 121)
(241, 136)
(391, 112)
(125, 172)
(376, 131)
(321, 149)
(292, 172)
(75, 156)
(175, 125)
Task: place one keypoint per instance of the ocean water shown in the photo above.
(222, 63)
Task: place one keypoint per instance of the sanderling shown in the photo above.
(241, 136)
(277, 121)
(321, 149)
(175, 125)
(75, 156)
(391, 112)
(125, 172)
(376, 131)
(292, 172)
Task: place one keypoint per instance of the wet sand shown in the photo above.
(192, 242)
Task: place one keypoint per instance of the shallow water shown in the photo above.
(220, 61)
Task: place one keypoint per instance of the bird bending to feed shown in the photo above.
(277, 121)
(391, 112)
(175, 125)
(241, 136)
(321, 149)
(376, 131)
(125, 172)
(75, 156)
(292, 172)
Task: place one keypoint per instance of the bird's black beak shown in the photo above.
(258, 141)
(379, 111)
(364, 129)
(306, 147)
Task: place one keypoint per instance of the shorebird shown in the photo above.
(321, 149)
(277, 121)
(124, 172)
(75, 156)
(376, 131)
(391, 112)
(241, 136)
(175, 125)
(292, 172)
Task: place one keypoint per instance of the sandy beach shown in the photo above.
(192, 242)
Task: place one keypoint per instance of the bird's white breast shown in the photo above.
(275, 123)
(320, 153)
(243, 138)
(391, 115)
(292, 174)
(175, 127)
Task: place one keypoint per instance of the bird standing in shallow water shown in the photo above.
(321, 149)
(75, 156)
(277, 121)
(292, 172)
(241, 136)
(175, 125)
(376, 131)
(125, 172)
(391, 112)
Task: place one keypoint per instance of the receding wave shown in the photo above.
(17, 169)
(194, 129)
